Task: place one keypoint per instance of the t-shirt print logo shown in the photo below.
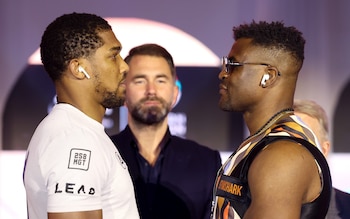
(79, 159)
(122, 162)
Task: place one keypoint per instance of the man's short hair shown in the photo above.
(153, 50)
(68, 37)
(273, 35)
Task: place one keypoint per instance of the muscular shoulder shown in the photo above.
(283, 174)
(283, 159)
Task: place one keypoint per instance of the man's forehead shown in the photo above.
(243, 48)
(110, 40)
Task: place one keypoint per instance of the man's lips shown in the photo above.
(223, 89)
(151, 102)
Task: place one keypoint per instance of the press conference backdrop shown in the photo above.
(196, 116)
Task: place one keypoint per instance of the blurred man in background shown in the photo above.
(173, 177)
(315, 117)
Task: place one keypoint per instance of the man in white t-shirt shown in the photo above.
(72, 168)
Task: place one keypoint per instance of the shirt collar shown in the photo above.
(133, 142)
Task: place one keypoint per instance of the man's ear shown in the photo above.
(269, 77)
(326, 146)
(73, 67)
(176, 94)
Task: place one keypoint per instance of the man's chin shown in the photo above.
(114, 103)
(225, 107)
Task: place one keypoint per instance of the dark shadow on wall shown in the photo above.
(341, 122)
(33, 96)
(26, 106)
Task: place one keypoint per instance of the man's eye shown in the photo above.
(115, 56)
(138, 81)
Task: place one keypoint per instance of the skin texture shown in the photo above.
(282, 178)
(92, 96)
(77, 215)
(284, 175)
(150, 95)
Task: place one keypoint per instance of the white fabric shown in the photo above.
(72, 165)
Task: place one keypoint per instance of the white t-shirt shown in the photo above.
(72, 165)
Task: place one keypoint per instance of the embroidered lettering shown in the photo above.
(92, 191)
(56, 189)
(230, 188)
(81, 189)
(72, 188)
(79, 159)
(69, 187)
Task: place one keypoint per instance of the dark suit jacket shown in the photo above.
(186, 178)
(340, 205)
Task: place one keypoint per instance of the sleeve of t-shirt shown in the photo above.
(74, 171)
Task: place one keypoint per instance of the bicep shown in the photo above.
(278, 179)
(97, 214)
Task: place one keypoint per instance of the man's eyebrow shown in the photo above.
(142, 75)
(139, 76)
(115, 49)
(162, 75)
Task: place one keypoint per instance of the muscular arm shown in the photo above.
(282, 177)
(77, 215)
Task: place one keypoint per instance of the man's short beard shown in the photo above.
(150, 115)
(225, 107)
(112, 100)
